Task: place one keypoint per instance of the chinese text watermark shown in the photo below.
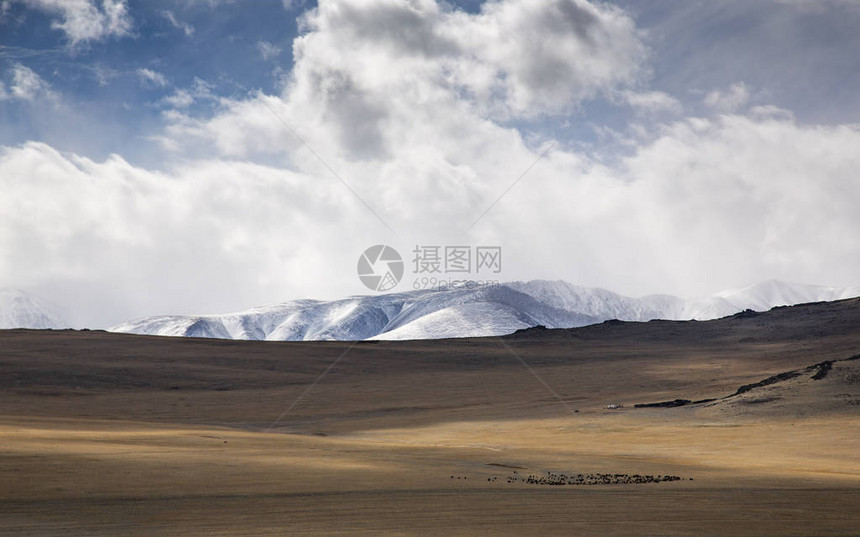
(381, 268)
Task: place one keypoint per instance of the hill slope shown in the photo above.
(116, 434)
(24, 310)
(435, 314)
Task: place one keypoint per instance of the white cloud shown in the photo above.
(268, 50)
(170, 17)
(818, 6)
(115, 233)
(151, 78)
(711, 204)
(84, 20)
(542, 57)
(27, 85)
(183, 98)
(404, 100)
(409, 103)
(211, 3)
(771, 112)
(652, 101)
(291, 5)
(103, 74)
(369, 75)
(180, 99)
(393, 113)
(742, 199)
(730, 100)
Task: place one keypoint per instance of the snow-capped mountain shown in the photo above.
(458, 312)
(774, 293)
(409, 315)
(24, 310)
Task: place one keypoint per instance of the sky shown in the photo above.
(205, 156)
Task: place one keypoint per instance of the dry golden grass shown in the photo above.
(106, 434)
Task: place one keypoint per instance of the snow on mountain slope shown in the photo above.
(394, 316)
(352, 318)
(772, 293)
(490, 311)
(460, 312)
(598, 302)
(472, 318)
(608, 305)
(24, 310)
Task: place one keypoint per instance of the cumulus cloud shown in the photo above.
(27, 85)
(402, 116)
(818, 6)
(127, 231)
(747, 197)
(543, 57)
(151, 78)
(729, 100)
(710, 204)
(407, 101)
(769, 111)
(180, 99)
(211, 3)
(185, 97)
(382, 78)
(513, 59)
(411, 104)
(268, 50)
(652, 101)
(85, 20)
(289, 5)
(103, 74)
(170, 17)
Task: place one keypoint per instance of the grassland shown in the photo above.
(107, 434)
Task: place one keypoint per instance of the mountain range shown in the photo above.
(19, 309)
(464, 312)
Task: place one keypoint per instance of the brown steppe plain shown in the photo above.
(110, 434)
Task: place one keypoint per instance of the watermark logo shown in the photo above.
(445, 267)
(457, 259)
(380, 268)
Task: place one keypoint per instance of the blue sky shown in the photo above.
(182, 41)
(797, 58)
(672, 146)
